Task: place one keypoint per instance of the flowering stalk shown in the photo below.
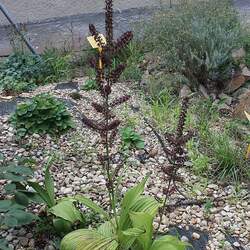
(176, 155)
(105, 78)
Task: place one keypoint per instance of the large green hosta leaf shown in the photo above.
(144, 222)
(84, 239)
(49, 182)
(168, 242)
(128, 201)
(66, 210)
(90, 204)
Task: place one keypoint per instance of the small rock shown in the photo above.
(236, 244)
(24, 241)
(239, 54)
(184, 238)
(246, 72)
(153, 152)
(67, 190)
(196, 236)
(243, 105)
(235, 83)
(185, 91)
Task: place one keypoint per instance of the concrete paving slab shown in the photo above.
(36, 10)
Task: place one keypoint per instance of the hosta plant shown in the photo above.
(133, 229)
(43, 114)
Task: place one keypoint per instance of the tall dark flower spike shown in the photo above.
(107, 126)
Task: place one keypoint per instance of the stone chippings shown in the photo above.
(77, 170)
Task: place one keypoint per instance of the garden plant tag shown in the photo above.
(93, 42)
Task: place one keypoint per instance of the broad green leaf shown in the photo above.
(62, 226)
(134, 232)
(9, 188)
(21, 198)
(5, 205)
(168, 242)
(146, 204)
(42, 193)
(66, 210)
(20, 170)
(107, 228)
(1, 157)
(84, 239)
(128, 201)
(90, 204)
(10, 221)
(49, 182)
(22, 217)
(13, 177)
(144, 222)
(4, 244)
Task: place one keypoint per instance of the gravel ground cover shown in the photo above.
(224, 225)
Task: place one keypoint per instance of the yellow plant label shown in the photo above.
(93, 42)
(247, 115)
(248, 153)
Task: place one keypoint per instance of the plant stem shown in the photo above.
(108, 170)
(163, 206)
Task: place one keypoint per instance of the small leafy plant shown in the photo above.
(43, 114)
(131, 139)
(90, 85)
(13, 211)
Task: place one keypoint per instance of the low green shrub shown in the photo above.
(43, 114)
(196, 39)
(24, 71)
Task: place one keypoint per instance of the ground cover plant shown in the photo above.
(23, 71)
(43, 114)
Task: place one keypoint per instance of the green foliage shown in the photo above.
(4, 244)
(13, 212)
(131, 139)
(196, 39)
(58, 64)
(132, 56)
(46, 193)
(43, 114)
(134, 230)
(90, 85)
(24, 71)
(246, 43)
(199, 161)
(230, 162)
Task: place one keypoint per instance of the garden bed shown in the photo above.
(77, 170)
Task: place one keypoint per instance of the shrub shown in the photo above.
(196, 39)
(43, 114)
